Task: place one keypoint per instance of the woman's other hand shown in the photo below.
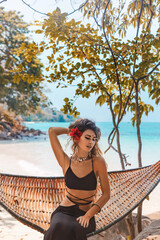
(84, 220)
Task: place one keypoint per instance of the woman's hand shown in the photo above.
(83, 220)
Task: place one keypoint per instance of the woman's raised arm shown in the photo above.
(55, 144)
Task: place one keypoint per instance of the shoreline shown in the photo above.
(12, 229)
(35, 158)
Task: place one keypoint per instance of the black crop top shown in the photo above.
(88, 182)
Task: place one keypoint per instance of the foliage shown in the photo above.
(102, 56)
(98, 61)
(20, 67)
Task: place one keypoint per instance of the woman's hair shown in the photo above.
(83, 125)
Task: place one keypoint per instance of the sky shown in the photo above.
(87, 107)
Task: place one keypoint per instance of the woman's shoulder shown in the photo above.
(99, 162)
(98, 159)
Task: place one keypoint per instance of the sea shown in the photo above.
(34, 156)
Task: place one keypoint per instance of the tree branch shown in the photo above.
(138, 26)
(113, 115)
(122, 58)
(114, 132)
(139, 19)
(110, 142)
(35, 9)
(95, 16)
(148, 73)
(3, 1)
(112, 53)
(111, 146)
(91, 39)
(152, 14)
(96, 73)
(81, 6)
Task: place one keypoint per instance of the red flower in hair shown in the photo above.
(75, 133)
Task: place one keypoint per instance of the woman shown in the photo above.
(74, 218)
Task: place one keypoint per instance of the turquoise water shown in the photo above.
(148, 129)
(150, 133)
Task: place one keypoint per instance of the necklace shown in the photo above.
(81, 159)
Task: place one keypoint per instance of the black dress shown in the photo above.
(63, 224)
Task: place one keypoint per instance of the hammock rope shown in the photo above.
(31, 200)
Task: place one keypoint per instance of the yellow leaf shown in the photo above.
(66, 99)
(39, 31)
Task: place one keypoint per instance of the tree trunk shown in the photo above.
(130, 223)
(139, 218)
(119, 149)
(129, 219)
(139, 214)
(138, 129)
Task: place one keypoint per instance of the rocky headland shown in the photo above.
(12, 129)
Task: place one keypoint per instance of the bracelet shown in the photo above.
(97, 206)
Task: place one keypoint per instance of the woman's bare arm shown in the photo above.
(101, 167)
(55, 144)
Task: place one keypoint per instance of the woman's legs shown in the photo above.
(64, 226)
(61, 228)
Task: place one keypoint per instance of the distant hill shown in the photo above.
(48, 115)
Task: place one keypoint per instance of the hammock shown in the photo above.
(32, 199)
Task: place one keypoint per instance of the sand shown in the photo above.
(11, 229)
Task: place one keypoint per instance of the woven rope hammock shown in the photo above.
(32, 199)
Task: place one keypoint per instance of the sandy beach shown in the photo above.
(11, 229)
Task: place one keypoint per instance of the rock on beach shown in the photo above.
(11, 129)
(119, 231)
(152, 232)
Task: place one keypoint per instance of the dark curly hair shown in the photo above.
(84, 124)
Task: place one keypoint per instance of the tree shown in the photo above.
(96, 59)
(20, 68)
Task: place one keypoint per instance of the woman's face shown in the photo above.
(87, 140)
